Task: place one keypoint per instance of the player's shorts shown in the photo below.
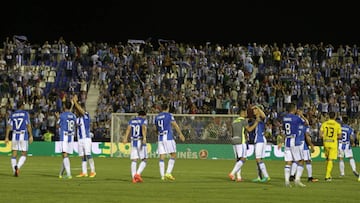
(294, 153)
(331, 152)
(260, 150)
(139, 152)
(84, 146)
(307, 155)
(67, 146)
(347, 153)
(240, 151)
(166, 147)
(20, 145)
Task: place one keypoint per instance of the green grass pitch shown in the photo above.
(196, 181)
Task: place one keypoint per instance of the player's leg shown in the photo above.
(143, 157)
(257, 159)
(23, 148)
(341, 162)
(308, 164)
(287, 169)
(67, 149)
(238, 176)
(161, 151)
(81, 153)
(293, 171)
(22, 160)
(332, 155)
(349, 155)
(262, 165)
(299, 172)
(90, 158)
(162, 166)
(288, 161)
(240, 155)
(66, 164)
(170, 166)
(13, 160)
(341, 166)
(134, 157)
(91, 161)
(171, 149)
(298, 154)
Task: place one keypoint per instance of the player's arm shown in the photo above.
(300, 113)
(127, 133)
(144, 133)
(177, 128)
(321, 132)
(260, 112)
(339, 133)
(309, 142)
(352, 139)
(7, 132)
(58, 115)
(280, 140)
(77, 105)
(29, 128)
(253, 126)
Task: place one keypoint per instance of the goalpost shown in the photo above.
(197, 128)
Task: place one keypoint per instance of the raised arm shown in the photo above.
(77, 105)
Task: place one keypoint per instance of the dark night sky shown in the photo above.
(187, 21)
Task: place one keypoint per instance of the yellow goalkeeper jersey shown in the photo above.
(331, 130)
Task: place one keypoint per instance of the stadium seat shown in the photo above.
(4, 101)
(51, 79)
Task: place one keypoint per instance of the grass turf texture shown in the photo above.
(196, 181)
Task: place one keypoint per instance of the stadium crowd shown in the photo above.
(195, 78)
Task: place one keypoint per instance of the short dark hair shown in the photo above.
(242, 108)
(68, 104)
(332, 114)
(141, 113)
(345, 119)
(164, 105)
(19, 104)
(291, 107)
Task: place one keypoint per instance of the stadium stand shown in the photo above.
(195, 78)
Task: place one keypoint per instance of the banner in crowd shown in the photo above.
(184, 151)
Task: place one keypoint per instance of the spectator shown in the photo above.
(48, 136)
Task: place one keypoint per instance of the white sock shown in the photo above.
(293, 169)
(170, 166)
(263, 169)
(133, 167)
(66, 162)
(237, 167)
(342, 167)
(62, 168)
(92, 165)
(238, 174)
(84, 166)
(299, 171)
(21, 161)
(141, 167)
(287, 173)
(352, 164)
(13, 163)
(309, 169)
(162, 168)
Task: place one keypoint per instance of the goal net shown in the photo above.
(197, 128)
